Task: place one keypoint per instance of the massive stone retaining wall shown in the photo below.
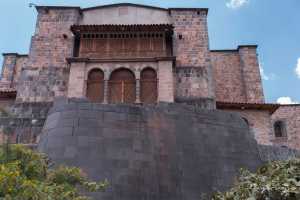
(23, 122)
(164, 152)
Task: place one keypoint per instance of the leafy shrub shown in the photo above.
(24, 175)
(278, 180)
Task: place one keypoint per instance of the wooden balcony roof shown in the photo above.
(122, 28)
(8, 93)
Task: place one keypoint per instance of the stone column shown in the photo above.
(137, 90)
(105, 100)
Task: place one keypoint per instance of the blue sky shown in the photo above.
(273, 25)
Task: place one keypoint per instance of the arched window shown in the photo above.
(279, 129)
(95, 86)
(122, 86)
(148, 90)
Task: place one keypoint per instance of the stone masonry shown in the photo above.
(290, 116)
(198, 72)
(11, 69)
(160, 152)
(237, 76)
(46, 74)
(259, 124)
(191, 48)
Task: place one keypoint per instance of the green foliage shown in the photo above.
(278, 180)
(25, 176)
(3, 112)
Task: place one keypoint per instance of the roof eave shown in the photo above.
(248, 106)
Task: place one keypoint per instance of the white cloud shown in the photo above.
(286, 100)
(234, 4)
(265, 76)
(297, 70)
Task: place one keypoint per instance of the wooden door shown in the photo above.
(148, 92)
(122, 87)
(95, 86)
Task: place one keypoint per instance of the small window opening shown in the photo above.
(279, 129)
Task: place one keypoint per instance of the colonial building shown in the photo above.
(138, 54)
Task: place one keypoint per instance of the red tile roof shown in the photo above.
(248, 106)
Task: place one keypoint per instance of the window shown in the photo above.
(279, 129)
(95, 86)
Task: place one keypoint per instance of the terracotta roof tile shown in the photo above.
(248, 106)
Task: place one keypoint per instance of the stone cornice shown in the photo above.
(95, 60)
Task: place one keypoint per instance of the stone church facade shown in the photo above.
(137, 54)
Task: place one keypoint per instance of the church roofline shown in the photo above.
(57, 7)
(237, 49)
(124, 4)
(120, 4)
(15, 54)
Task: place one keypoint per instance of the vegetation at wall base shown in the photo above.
(279, 180)
(25, 175)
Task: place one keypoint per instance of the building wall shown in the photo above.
(79, 75)
(290, 115)
(259, 123)
(46, 73)
(251, 74)
(11, 69)
(125, 15)
(191, 48)
(236, 75)
(227, 75)
(8, 67)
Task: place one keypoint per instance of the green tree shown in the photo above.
(278, 180)
(25, 176)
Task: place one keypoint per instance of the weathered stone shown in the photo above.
(175, 152)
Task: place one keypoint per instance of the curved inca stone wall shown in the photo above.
(164, 152)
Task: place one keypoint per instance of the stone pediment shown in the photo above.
(125, 13)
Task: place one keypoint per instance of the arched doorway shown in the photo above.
(122, 87)
(148, 92)
(95, 86)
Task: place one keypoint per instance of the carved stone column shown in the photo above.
(137, 90)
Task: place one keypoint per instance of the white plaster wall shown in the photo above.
(77, 84)
(125, 15)
(165, 81)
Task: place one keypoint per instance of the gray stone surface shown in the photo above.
(25, 121)
(163, 152)
(272, 153)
